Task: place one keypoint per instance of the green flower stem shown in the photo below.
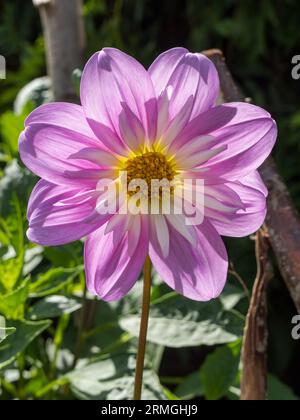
(81, 330)
(143, 331)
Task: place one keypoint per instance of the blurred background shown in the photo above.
(259, 40)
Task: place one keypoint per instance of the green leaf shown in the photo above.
(16, 181)
(12, 304)
(53, 306)
(11, 230)
(231, 296)
(234, 393)
(10, 272)
(53, 280)
(76, 78)
(37, 381)
(26, 332)
(15, 186)
(33, 257)
(113, 379)
(220, 370)
(170, 396)
(11, 126)
(105, 332)
(33, 94)
(5, 332)
(179, 322)
(67, 256)
(278, 391)
(190, 387)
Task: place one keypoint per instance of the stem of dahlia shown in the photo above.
(143, 331)
(79, 340)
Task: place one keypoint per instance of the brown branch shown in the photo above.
(254, 351)
(282, 222)
(284, 229)
(63, 28)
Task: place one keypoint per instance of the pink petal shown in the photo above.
(99, 157)
(189, 75)
(248, 220)
(204, 124)
(177, 222)
(111, 271)
(53, 133)
(164, 66)
(198, 157)
(197, 272)
(225, 195)
(131, 129)
(200, 143)
(163, 104)
(177, 124)
(111, 78)
(254, 180)
(160, 231)
(248, 132)
(53, 220)
(210, 199)
(250, 124)
(63, 115)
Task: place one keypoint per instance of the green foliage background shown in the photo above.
(194, 348)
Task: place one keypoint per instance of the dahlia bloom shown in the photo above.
(155, 123)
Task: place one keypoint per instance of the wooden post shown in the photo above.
(282, 221)
(63, 28)
(254, 350)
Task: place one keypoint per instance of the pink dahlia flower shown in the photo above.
(154, 123)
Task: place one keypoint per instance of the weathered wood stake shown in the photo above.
(63, 28)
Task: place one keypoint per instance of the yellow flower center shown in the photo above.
(148, 166)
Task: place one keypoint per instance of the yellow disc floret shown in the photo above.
(148, 166)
